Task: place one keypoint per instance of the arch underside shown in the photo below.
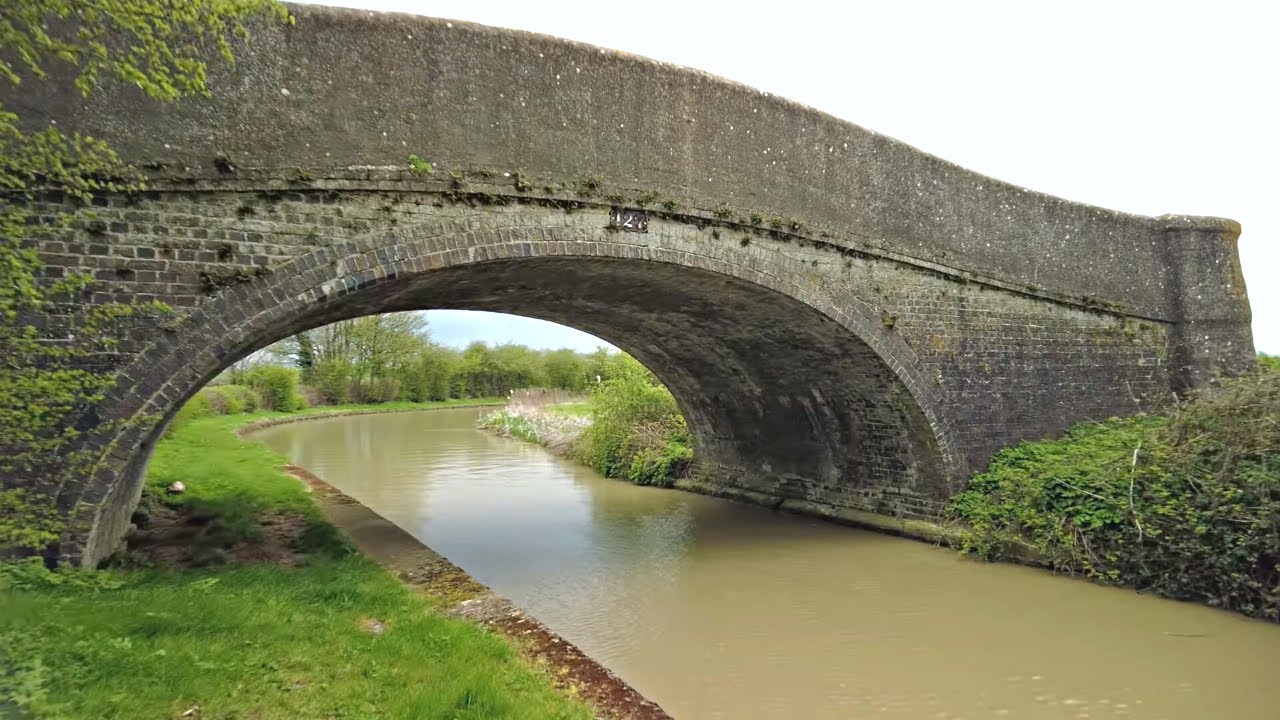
(780, 398)
(776, 393)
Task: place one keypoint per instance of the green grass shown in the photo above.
(505, 422)
(250, 640)
(581, 409)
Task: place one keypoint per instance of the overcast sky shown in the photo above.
(458, 328)
(1151, 108)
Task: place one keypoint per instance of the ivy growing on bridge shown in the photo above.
(52, 374)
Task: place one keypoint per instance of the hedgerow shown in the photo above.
(1186, 506)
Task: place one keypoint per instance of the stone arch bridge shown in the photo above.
(842, 318)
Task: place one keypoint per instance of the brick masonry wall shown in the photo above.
(806, 371)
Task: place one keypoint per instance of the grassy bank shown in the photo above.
(240, 600)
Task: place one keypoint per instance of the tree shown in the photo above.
(566, 369)
(604, 365)
(158, 46)
(431, 376)
(305, 357)
(384, 345)
(477, 373)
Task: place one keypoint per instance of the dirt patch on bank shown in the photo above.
(184, 538)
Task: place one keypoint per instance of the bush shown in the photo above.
(197, 407)
(333, 379)
(231, 399)
(1186, 506)
(276, 385)
(381, 390)
(636, 430)
(650, 466)
(311, 396)
(218, 400)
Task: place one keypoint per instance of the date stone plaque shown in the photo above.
(630, 220)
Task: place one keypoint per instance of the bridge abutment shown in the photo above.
(1211, 332)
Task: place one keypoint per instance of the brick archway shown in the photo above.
(784, 391)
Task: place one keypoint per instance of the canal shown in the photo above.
(718, 610)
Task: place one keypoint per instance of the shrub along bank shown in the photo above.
(264, 387)
(1186, 506)
(629, 429)
(253, 607)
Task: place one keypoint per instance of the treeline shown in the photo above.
(392, 357)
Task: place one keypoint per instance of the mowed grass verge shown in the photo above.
(324, 634)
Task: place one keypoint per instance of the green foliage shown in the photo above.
(488, 371)
(276, 385)
(197, 407)
(219, 400)
(381, 389)
(659, 466)
(45, 386)
(32, 574)
(429, 376)
(418, 166)
(155, 45)
(603, 366)
(392, 357)
(1186, 506)
(566, 369)
(28, 519)
(232, 399)
(333, 379)
(512, 424)
(1052, 490)
(636, 430)
(1269, 362)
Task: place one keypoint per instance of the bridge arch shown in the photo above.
(785, 392)
(355, 162)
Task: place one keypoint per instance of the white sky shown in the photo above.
(458, 328)
(1146, 107)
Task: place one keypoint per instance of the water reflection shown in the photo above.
(717, 610)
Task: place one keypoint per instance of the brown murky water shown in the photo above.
(719, 610)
